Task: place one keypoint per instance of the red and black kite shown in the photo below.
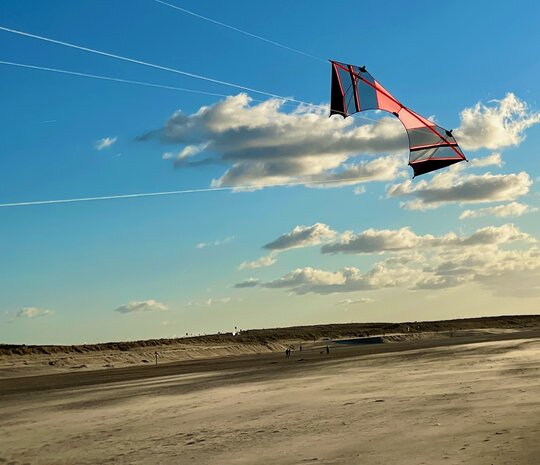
(354, 89)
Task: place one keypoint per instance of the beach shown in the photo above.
(470, 398)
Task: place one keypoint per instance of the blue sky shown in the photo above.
(164, 266)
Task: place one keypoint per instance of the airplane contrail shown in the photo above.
(164, 193)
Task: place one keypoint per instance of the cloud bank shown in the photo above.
(494, 257)
(105, 143)
(138, 306)
(500, 211)
(33, 312)
(262, 144)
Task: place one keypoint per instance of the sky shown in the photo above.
(459, 242)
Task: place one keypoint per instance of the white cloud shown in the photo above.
(404, 239)
(302, 236)
(351, 279)
(33, 312)
(361, 300)
(500, 124)
(267, 260)
(359, 190)
(187, 152)
(217, 301)
(513, 273)
(504, 272)
(486, 257)
(374, 241)
(136, 306)
(381, 169)
(494, 159)
(105, 143)
(261, 144)
(500, 211)
(453, 186)
(251, 282)
(210, 302)
(216, 243)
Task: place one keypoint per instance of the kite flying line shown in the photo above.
(241, 31)
(186, 191)
(150, 65)
(163, 68)
(109, 78)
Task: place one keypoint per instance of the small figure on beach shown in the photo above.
(327, 350)
(287, 353)
(156, 355)
(300, 348)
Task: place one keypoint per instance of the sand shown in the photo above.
(473, 399)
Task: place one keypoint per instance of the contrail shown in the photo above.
(179, 192)
(109, 78)
(241, 31)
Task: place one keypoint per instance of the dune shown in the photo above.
(27, 360)
(439, 397)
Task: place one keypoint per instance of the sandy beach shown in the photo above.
(472, 398)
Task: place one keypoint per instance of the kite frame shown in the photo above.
(349, 69)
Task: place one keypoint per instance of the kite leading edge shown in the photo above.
(431, 147)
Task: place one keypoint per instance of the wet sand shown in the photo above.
(471, 399)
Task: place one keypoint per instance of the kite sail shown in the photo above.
(354, 90)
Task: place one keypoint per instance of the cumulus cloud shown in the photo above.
(311, 280)
(422, 262)
(302, 236)
(380, 169)
(374, 241)
(262, 144)
(494, 159)
(187, 152)
(216, 243)
(492, 267)
(105, 143)
(500, 211)
(212, 301)
(137, 306)
(453, 186)
(251, 282)
(262, 262)
(361, 300)
(33, 312)
(404, 239)
(499, 124)
(505, 272)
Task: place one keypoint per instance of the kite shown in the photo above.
(430, 146)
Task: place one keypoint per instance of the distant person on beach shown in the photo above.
(300, 348)
(327, 350)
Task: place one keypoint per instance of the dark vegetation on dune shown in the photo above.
(299, 333)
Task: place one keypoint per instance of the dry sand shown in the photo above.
(473, 399)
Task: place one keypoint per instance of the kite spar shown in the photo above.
(431, 147)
